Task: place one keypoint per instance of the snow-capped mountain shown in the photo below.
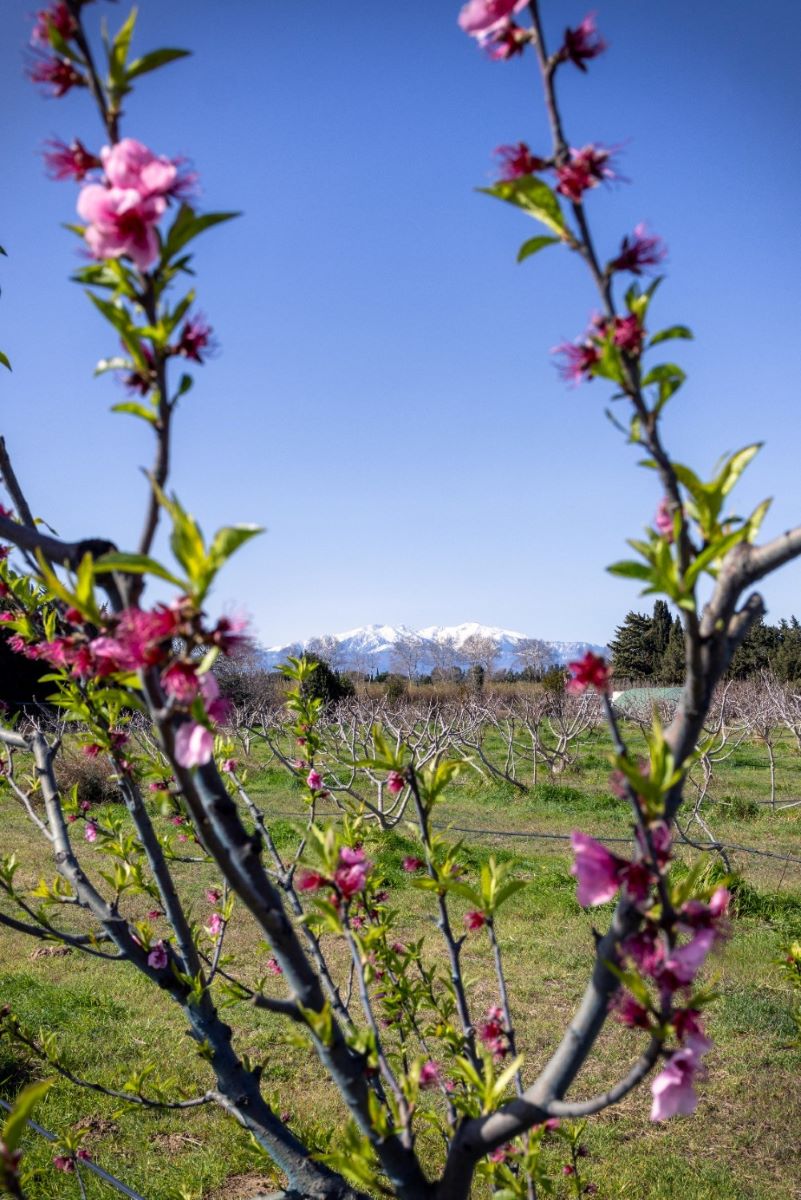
(375, 648)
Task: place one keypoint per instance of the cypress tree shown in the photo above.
(632, 648)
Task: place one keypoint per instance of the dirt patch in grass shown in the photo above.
(243, 1187)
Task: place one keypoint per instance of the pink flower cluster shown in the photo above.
(579, 359)
(348, 880)
(493, 1034)
(589, 671)
(490, 23)
(584, 169)
(123, 211)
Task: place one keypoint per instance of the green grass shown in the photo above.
(740, 1145)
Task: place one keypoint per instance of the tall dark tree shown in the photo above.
(671, 669)
(632, 648)
(661, 625)
(758, 648)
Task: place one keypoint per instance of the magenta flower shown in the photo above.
(492, 1032)
(517, 160)
(58, 17)
(504, 41)
(213, 895)
(482, 16)
(71, 161)
(682, 964)
(578, 360)
(597, 870)
(629, 1011)
(216, 924)
(62, 1163)
(154, 914)
(314, 780)
(194, 744)
(673, 1089)
(581, 43)
(475, 919)
(430, 1074)
(274, 967)
(56, 73)
(157, 958)
(411, 864)
(195, 339)
(395, 783)
(638, 251)
(180, 680)
(218, 708)
(90, 832)
(663, 520)
(229, 766)
(628, 335)
(351, 875)
(589, 671)
(91, 750)
(585, 169)
(129, 164)
(121, 221)
(310, 881)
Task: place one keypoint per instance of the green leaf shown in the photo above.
(533, 245)
(24, 1105)
(136, 564)
(136, 410)
(534, 197)
(229, 539)
(4, 360)
(631, 570)
(187, 226)
(119, 51)
(675, 331)
(154, 60)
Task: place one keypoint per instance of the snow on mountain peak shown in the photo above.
(376, 648)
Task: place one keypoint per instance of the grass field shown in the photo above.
(742, 1144)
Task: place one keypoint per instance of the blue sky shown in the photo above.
(384, 399)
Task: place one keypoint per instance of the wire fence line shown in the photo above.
(527, 834)
(86, 1163)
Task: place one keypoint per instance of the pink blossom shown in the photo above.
(673, 1089)
(475, 919)
(585, 169)
(351, 875)
(195, 339)
(91, 750)
(581, 43)
(71, 161)
(85, 805)
(154, 914)
(628, 335)
(90, 833)
(194, 744)
(310, 881)
(719, 904)
(663, 520)
(129, 164)
(482, 16)
(58, 17)
(682, 964)
(216, 924)
(217, 707)
(63, 1163)
(229, 766)
(121, 221)
(314, 780)
(180, 680)
(411, 864)
(157, 958)
(56, 73)
(578, 360)
(395, 783)
(492, 1032)
(646, 950)
(598, 872)
(504, 41)
(638, 251)
(230, 634)
(430, 1074)
(274, 967)
(589, 671)
(213, 895)
(629, 1011)
(517, 161)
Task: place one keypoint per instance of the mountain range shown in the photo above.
(376, 648)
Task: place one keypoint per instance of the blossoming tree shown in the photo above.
(403, 1042)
